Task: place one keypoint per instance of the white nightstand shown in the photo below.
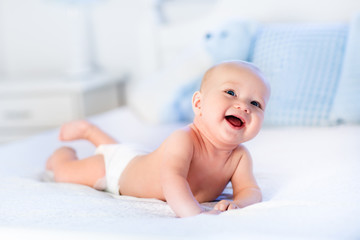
(29, 106)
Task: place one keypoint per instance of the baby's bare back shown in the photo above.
(207, 176)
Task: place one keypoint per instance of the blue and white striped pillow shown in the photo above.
(303, 64)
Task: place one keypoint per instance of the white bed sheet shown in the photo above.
(309, 178)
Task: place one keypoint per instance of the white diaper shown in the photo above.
(116, 157)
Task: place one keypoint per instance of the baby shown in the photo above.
(195, 163)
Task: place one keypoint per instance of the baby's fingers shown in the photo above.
(232, 206)
(222, 205)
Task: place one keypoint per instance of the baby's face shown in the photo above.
(233, 101)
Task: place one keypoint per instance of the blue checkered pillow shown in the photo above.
(303, 64)
(346, 107)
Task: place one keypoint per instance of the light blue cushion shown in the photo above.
(303, 65)
(346, 107)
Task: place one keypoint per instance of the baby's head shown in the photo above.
(231, 102)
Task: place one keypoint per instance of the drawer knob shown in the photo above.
(15, 115)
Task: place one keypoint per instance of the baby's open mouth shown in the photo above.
(234, 121)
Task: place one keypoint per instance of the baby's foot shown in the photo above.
(61, 155)
(75, 130)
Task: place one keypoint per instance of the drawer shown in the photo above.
(36, 111)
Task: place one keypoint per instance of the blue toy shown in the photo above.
(231, 41)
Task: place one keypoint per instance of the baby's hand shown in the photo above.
(225, 205)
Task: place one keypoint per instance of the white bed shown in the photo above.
(309, 178)
(309, 175)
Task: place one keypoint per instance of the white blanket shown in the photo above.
(309, 178)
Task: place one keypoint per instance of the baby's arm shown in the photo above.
(178, 150)
(245, 189)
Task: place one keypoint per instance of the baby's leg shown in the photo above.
(67, 168)
(82, 129)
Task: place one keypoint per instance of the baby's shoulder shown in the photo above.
(184, 133)
(240, 151)
(181, 137)
(179, 143)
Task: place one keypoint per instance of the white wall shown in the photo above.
(33, 37)
(36, 36)
(292, 10)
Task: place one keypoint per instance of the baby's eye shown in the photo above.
(230, 92)
(256, 104)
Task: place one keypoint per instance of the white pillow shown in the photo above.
(152, 98)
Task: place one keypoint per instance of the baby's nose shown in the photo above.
(242, 106)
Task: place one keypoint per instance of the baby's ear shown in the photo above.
(196, 103)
